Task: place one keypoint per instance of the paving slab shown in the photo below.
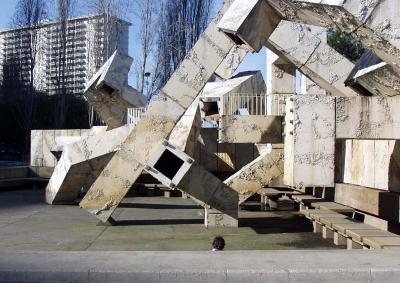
(344, 227)
(143, 223)
(359, 235)
(378, 242)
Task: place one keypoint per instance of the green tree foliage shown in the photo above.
(345, 44)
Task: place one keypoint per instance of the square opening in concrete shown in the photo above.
(210, 108)
(168, 164)
(106, 89)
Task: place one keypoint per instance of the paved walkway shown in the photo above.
(147, 224)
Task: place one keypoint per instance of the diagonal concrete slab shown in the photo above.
(160, 119)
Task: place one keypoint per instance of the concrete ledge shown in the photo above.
(238, 266)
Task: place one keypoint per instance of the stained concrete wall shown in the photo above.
(309, 141)
(368, 118)
(372, 201)
(42, 142)
(250, 129)
(220, 158)
(369, 163)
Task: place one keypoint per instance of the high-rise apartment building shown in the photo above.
(90, 41)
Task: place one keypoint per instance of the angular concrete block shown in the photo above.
(309, 141)
(246, 20)
(81, 162)
(250, 129)
(160, 119)
(313, 56)
(237, 92)
(257, 174)
(109, 93)
(37, 148)
(367, 118)
(376, 202)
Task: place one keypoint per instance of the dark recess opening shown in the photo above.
(210, 108)
(106, 89)
(168, 164)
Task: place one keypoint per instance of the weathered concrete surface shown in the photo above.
(310, 141)
(373, 201)
(309, 53)
(81, 163)
(250, 129)
(368, 118)
(244, 84)
(232, 61)
(380, 80)
(274, 266)
(281, 83)
(43, 141)
(245, 21)
(374, 24)
(109, 93)
(313, 56)
(370, 163)
(258, 174)
(160, 119)
(187, 131)
(222, 158)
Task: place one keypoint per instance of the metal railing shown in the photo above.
(135, 114)
(250, 104)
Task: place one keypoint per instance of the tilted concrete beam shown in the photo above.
(250, 129)
(380, 80)
(375, 24)
(368, 118)
(109, 93)
(261, 172)
(158, 122)
(309, 53)
(81, 162)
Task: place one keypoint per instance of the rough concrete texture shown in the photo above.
(379, 80)
(310, 141)
(250, 129)
(281, 83)
(373, 23)
(187, 131)
(81, 163)
(109, 93)
(232, 61)
(313, 56)
(310, 87)
(258, 174)
(222, 158)
(245, 21)
(378, 169)
(248, 84)
(43, 141)
(367, 118)
(376, 202)
(160, 119)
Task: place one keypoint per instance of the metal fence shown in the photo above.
(135, 114)
(251, 104)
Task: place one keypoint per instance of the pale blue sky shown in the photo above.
(252, 61)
